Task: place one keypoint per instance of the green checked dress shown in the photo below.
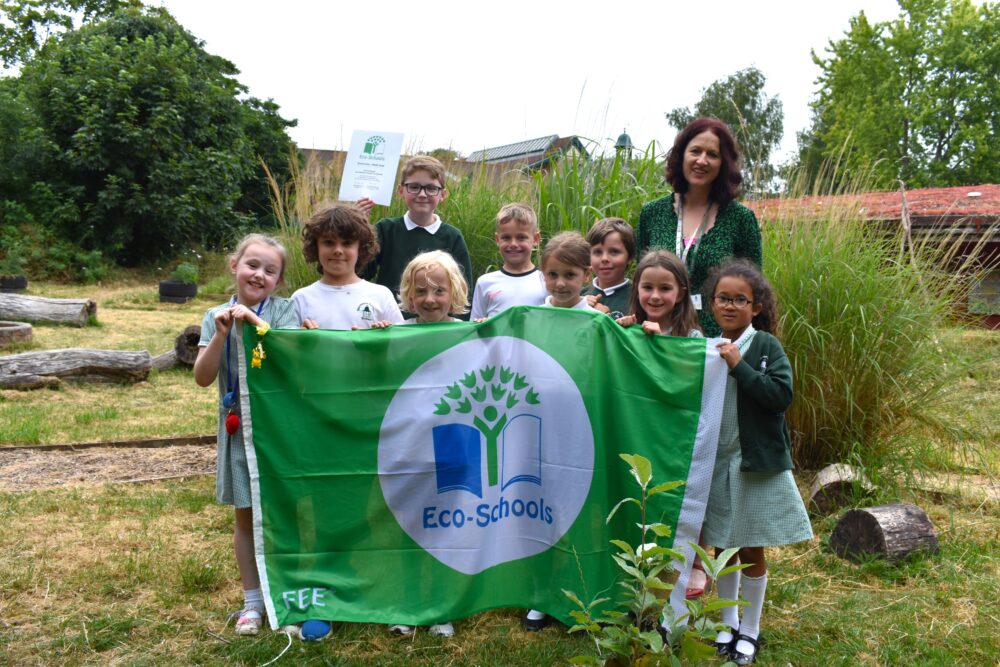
(750, 509)
(232, 476)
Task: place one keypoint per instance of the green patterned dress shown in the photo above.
(734, 234)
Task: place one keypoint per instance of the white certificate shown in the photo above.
(370, 169)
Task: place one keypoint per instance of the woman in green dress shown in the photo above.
(704, 169)
(703, 166)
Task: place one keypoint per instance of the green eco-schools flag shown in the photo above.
(419, 474)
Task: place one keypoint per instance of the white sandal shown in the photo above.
(248, 621)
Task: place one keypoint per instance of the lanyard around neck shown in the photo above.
(684, 250)
(229, 377)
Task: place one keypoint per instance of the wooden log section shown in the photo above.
(836, 486)
(22, 308)
(77, 363)
(14, 332)
(186, 345)
(891, 531)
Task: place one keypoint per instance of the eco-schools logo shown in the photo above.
(374, 146)
(490, 467)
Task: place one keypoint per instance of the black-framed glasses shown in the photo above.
(415, 188)
(739, 301)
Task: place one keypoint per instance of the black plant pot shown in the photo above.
(177, 292)
(13, 283)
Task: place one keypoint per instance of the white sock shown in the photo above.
(753, 591)
(534, 615)
(253, 599)
(728, 587)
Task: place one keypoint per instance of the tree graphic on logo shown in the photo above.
(489, 403)
(372, 144)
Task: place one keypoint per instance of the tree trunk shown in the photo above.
(836, 486)
(80, 364)
(75, 312)
(892, 531)
(186, 345)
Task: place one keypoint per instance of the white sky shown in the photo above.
(469, 75)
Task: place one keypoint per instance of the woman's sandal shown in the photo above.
(743, 658)
(693, 592)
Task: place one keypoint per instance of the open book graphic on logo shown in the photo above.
(458, 455)
(522, 451)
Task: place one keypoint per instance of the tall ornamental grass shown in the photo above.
(577, 192)
(860, 307)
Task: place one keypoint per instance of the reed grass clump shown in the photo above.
(861, 305)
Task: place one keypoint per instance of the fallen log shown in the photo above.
(186, 345)
(837, 485)
(24, 381)
(14, 332)
(80, 364)
(891, 531)
(164, 361)
(23, 308)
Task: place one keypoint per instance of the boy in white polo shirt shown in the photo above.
(518, 282)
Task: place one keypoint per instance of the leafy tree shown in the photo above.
(146, 144)
(757, 120)
(27, 22)
(915, 98)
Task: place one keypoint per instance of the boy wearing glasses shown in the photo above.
(420, 229)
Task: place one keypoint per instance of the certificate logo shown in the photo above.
(374, 145)
(486, 453)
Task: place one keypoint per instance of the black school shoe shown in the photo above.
(726, 649)
(535, 624)
(742, 658)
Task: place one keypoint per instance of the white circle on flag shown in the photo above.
(486, 453)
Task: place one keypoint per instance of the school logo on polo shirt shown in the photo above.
(497, 466)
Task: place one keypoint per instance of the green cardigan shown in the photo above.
(761, 401)
(734, 234)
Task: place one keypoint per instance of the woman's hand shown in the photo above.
(730, 353)
(626, 321)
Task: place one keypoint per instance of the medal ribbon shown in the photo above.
(229, 400)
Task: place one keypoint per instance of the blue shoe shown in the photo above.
(315, 630)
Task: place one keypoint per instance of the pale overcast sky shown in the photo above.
(469, 75)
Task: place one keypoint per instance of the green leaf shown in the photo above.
(488, 373)
(479, 395)
(660, 529)
(620, 503)
(520, 382)
(531, 397)
(640, 467)
(664, 487)
(623, 545)
(512, 400)
(442, 408)
(497, 391)
(572, 596)
(505, 375)
(454, 392)
(469, 380)
(465, 407)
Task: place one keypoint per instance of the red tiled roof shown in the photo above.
(929, 204)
